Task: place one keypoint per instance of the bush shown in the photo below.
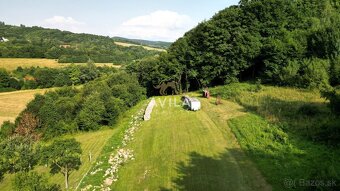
(32, 181)
(334, 100)
(309, 110)
(330, 132)
(314, 73)
(7, 129)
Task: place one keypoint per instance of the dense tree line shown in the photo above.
(280, 42)
(69, 109)
(37, 42)
(36, 77)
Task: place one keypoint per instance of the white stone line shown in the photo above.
(123, 155)
(148, 110)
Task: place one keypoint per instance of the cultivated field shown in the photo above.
(11, 64)
(12, 103)
(145, 47)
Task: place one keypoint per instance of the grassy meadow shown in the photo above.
(183, 150)
(12, 103)
(277, 133)
(11, 64)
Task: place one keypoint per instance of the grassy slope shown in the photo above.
(182, 150)
(11, 64)
(12, 103)
(274, 135)
(99, 143)
(90, 142)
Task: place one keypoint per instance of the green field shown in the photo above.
(241, 144)
(183, 150)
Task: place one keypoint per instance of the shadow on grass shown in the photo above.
(299, 117)
(229, 171)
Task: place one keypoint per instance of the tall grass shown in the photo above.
(280, 135)
(297, 110)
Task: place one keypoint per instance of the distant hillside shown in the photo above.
(127, 44)
(37, 42)
(155, 44)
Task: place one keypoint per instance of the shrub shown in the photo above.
(7, 129)
(314, 73)
(32, 181)
(330, 132)
(309, 110)
(334, 100)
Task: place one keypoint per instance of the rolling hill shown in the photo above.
(67, 47)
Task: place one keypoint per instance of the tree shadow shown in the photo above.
(229, 171)
(299, 117)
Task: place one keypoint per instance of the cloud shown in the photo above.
(158, 25)
(64, 23)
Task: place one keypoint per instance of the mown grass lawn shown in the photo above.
(183, 150)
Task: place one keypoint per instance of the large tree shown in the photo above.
(17, 154)
(63, 156)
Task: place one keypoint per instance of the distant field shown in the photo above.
(145, 47)
(11, 64)
(12, 103)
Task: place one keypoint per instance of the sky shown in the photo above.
(164, 20)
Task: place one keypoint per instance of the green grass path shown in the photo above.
(183, 150)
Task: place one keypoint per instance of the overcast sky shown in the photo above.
(164, 20)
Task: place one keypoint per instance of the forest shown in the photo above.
(67, 47)
(296, 45)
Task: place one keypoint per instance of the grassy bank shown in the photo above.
(99, 144)
(279, 135)
(90, 142)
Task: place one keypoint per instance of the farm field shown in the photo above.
(182, 150)
(145, 47)
(11, 64)
(12, 103)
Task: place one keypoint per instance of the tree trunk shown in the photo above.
(66, 179)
